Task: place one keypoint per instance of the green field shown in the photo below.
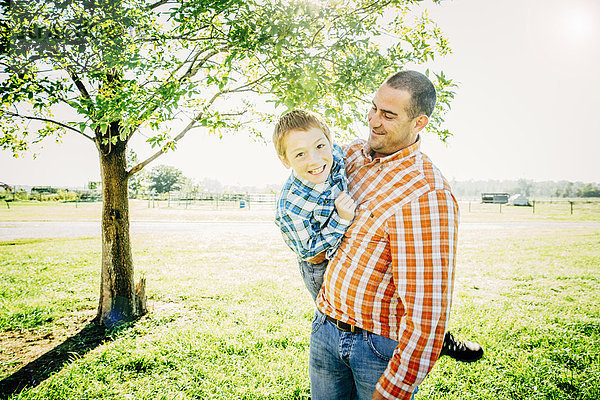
(230, 319)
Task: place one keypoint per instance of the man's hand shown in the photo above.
(378, 396)
(345, 206)
(318, 259)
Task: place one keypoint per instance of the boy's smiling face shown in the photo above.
(308, 153)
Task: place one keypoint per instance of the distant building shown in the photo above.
(44, 190)
(496, 198)
(518, 200)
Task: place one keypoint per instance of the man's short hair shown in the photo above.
(297, 120)
(421, 89)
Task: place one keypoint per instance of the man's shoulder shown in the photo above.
(432, 174)
(416, 177)
(421, 182)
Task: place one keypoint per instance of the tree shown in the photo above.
(164, 178)
(523, 187)
(107, 70)
(5, 190)
(589, 190)
(189, 188)
(568, 190)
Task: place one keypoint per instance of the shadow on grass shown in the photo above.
(38, 370)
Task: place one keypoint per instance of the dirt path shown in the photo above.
(54, 229)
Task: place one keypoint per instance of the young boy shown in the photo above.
(314, 210)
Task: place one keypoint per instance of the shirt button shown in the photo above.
(380, 167)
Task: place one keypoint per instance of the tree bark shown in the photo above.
(119, 302)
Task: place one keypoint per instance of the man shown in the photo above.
(385, 301)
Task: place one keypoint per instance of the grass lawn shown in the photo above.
(230, 318)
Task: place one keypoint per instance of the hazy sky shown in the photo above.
(527, 106)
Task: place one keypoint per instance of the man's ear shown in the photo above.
(284, 161)
(420, 122)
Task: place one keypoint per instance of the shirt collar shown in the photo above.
(400, 154)
(317, 187)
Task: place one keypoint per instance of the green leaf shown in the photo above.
(103, 128)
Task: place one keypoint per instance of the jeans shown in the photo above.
(344, 365)
(312, 274)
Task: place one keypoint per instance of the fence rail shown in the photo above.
(554, 206)
(545, 206)
(214, 200)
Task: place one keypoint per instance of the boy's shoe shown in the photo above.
(461, 351)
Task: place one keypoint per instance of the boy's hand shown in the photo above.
(345, 206)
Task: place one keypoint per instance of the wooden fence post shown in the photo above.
(571, 203)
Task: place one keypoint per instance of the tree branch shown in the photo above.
(248, 86)
(80, 86)
(31, 117)
(157, 4)
(193, 69)
(181, 37)
(164, 149)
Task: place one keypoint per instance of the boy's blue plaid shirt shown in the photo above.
(306, 212)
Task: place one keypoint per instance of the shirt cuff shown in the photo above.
(388, 390)
(344, 223)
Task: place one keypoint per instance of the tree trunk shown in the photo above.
(120, 302)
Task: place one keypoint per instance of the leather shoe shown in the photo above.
(461, 351)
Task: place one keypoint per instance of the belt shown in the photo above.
(342, 326)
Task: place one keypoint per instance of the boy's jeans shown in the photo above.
(346, 365)
(312, 274)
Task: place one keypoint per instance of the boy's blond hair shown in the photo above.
(297, 120)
